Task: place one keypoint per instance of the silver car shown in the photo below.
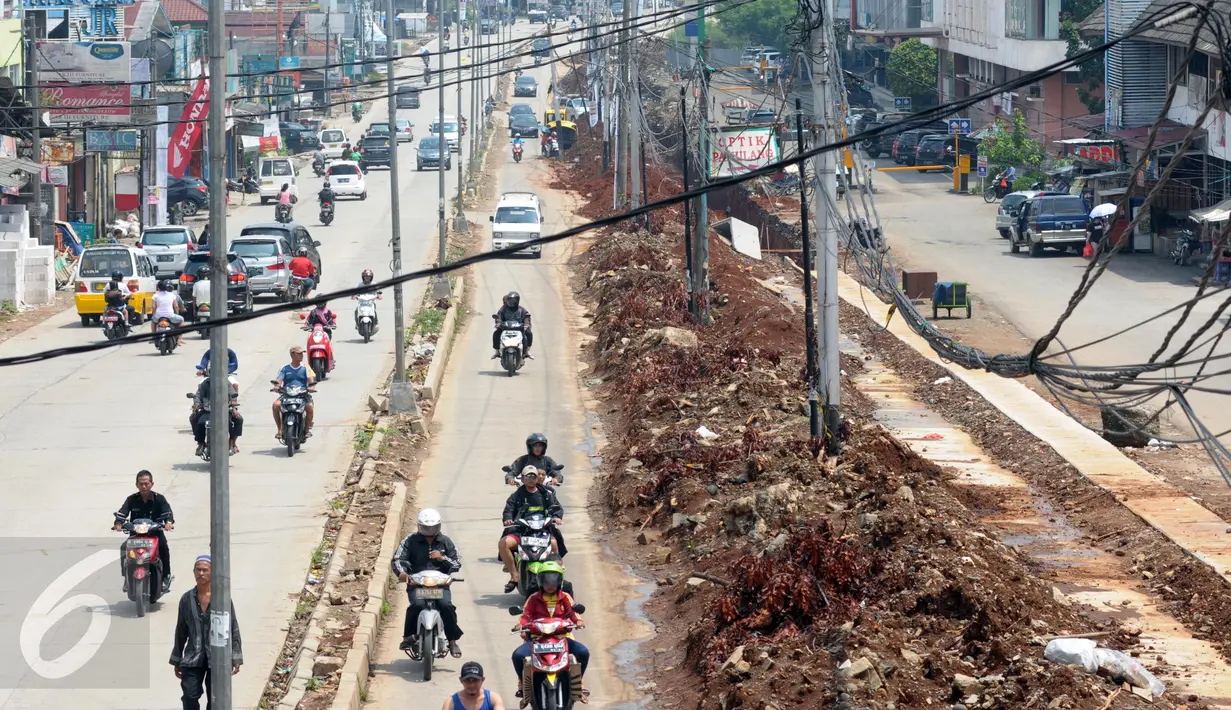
(168, 247)
(1006, 214)
(269, 263)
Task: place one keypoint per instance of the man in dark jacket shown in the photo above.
(146, 504)
(190, 655)
(530, 498)
(512, 311)
(536, 455)
(426, 549)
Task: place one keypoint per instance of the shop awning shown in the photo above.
(1169, 133)
(12, 169)
(1218, 213)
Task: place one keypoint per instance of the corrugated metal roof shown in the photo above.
(1175, 34)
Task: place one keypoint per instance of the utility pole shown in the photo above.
(440, 286)
(36, 123)
(701, 240)
(459, 217)
(622, 152)
(219, 384)
(814, 418)
(825, 195)
(401, 393)
(634, 114)
(328, 36)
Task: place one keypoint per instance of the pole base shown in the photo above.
(440, 288)
(402, 399)
(459, 223)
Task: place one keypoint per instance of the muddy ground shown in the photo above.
(788, 578)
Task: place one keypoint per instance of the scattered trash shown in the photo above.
(933, 436)
(1117, 665)
(705, 433)
(943, 380)
(1161, 444)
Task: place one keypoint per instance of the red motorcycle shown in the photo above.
(549, 660)
(140, 559)
(517, 154)
(319, 352)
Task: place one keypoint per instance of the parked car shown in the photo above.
(525, 86)
(880, 144)
(375, 151)
(929, 150)
(429, 154)
(293, 232)
(346, 179)
(298, 137)
(524, 126)
(168, 247)
(239, 294)
(407, 96)
(904, 147)
(191, 192)
(1006, 214)
(269, 262)
(968, 146)
(1056, 221)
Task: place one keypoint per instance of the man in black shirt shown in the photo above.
(536, 455)
(427, 549)
(511, 310)
(145, 504)
(530, 498)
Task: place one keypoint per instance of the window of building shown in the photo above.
(1072, 78)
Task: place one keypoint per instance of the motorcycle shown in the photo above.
(201, 316)
(1000, 187)
(356, 114)
(550, 659)
(298, 289)
(115, 322)
(318, 167)
(534, 546)
(1185, 246)
(141, 562)
(294, 398)
(165, 342)
(282, 213)
(517, 153)
(512, 349)
(428, 590)
(326, 213)
(365, 315)
(206, 416)
(318, 352)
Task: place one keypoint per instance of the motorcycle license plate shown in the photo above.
(536, 540)
(111, 319)
(429, 593)
(293, 402)
(549, 647)
(166, 257)
(136, 542)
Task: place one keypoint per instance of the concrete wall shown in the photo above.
(976, 28)
(1218, 136)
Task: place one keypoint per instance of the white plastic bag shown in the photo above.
(1125, 668)
(1072, 652)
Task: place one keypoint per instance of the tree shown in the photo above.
(1089, 72)
(1012, 145)
(912, 70)
(764, 22)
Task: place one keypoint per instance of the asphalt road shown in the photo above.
(484, 417)
(75, 430)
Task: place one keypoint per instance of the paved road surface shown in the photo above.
(484, 418)
(75, 430)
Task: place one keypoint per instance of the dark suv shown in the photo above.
(904, 146)
(375, 151)
(299, 138)
(239, 295)
(930, 150)
(294, 233)
(878, 145)
(193, 192)
(1049, 220)
(407, 96)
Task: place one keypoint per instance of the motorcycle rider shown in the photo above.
(295, 372)
(536, 456)
(166, 305)
(318, 158)
(427, 549)
(303, 267)
(356, 110)
(286, 198)
(550, 602)
(365, 279)
(236, 425)
(426, 56)
(511, 310)
(529, 498)
(117, 295)
(518, 144)
(232, 362)
(146, 504)
(203, 238)
(325, 196)
(321, 314)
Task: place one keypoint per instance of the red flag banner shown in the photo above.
(190, 129)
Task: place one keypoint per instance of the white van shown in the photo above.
(518, 219)
(274, 172)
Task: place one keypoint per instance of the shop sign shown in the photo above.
(85, 61)
(58, 150)
(1105, 153)
(110, 141)
(67, 103)
(740, 150)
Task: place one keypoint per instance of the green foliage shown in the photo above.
(1091, 71)
(912, 70)
(1013, 145)
(761, 22)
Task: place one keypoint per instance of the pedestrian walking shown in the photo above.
(473, 696)
(190, 655)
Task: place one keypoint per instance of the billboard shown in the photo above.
(85, 61)
(737, 150)
(67, 103)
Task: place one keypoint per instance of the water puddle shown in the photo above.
(1024, 521)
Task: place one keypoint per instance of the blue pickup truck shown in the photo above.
(1050, 220)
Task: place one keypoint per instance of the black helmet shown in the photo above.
(367, 276)
(117, 276)
(533, 439)
(512, 299)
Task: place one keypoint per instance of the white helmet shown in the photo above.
(530, 470)
(429, 522)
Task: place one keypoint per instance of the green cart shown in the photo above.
(949, 295)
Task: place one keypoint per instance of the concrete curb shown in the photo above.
(354, 676)
(444, 343)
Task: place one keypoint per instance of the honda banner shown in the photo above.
(189, 130)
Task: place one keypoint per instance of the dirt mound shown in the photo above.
(786, 577)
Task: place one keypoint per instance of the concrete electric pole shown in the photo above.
(219, 383)
(440, 285)
(34, 98)
(459, 217)
(701, 238)
(826, 249)
(634, 113)
(401, 392)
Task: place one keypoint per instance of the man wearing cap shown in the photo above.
(300, 373)
(473, 696)
(190, 655)
(529, 498)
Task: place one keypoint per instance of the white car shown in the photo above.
(518, 218)
(346, 179)
(331, 142)
(406, 132)
(452, 132)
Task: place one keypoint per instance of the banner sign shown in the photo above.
(57, 150)
(85, 61)
(734, 151)
(110, 141)
(189, 130)
(67, 103)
